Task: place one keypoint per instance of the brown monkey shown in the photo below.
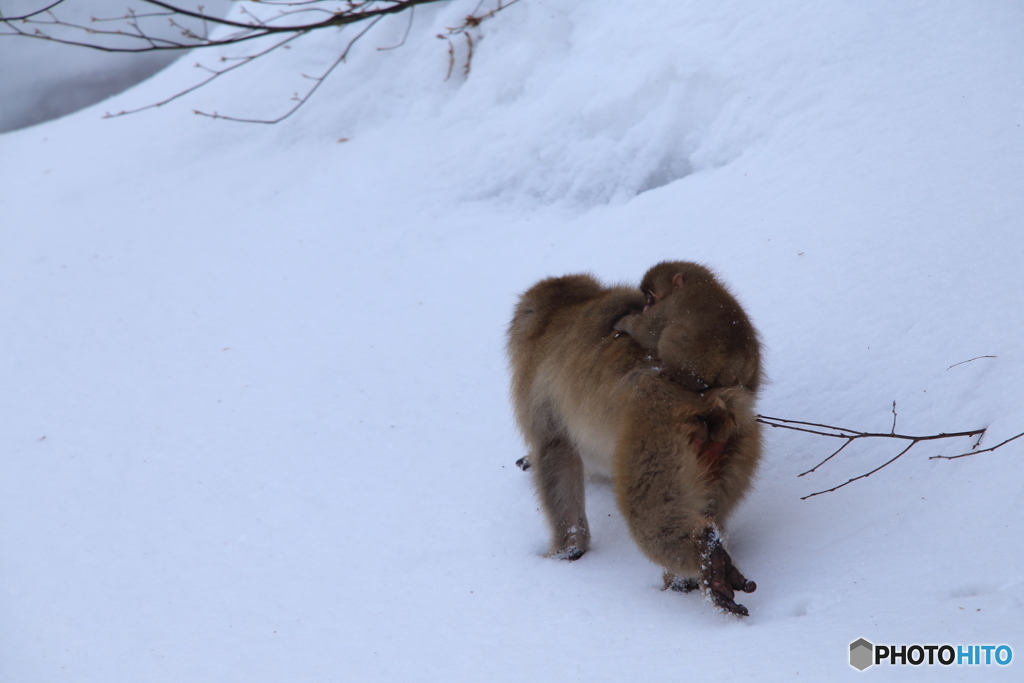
(590, 401)
(696, 327)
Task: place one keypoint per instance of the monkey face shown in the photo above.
(654, 294)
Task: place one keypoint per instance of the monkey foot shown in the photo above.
(679, 584)
(573, 542)
(719, 577)
(570, 553)
(523, 463)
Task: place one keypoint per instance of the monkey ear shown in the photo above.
(677, 281)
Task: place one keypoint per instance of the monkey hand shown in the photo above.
(719, 577)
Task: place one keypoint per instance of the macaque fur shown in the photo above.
(590, 401)
(696, 327)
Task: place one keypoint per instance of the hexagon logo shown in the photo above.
(862, 654)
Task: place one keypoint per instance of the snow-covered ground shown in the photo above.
(255, 417)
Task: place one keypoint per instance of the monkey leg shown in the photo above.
(718, 576)
(558, 474)
(670, 487)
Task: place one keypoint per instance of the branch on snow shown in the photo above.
(848, 436)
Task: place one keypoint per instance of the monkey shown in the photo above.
(591, 401)
(696, 327)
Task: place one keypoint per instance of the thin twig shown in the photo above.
(984, 450)
(25, 17)
(451, 58)
(863, 476)
(967, 361)
(408, 27)
(299, 101)
(216, 74)
(834, 454)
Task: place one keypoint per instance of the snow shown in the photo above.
(256, 423)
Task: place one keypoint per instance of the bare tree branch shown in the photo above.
(257, 28)
(851, 435)
(293, 21)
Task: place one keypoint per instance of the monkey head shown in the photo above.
(669, 276)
